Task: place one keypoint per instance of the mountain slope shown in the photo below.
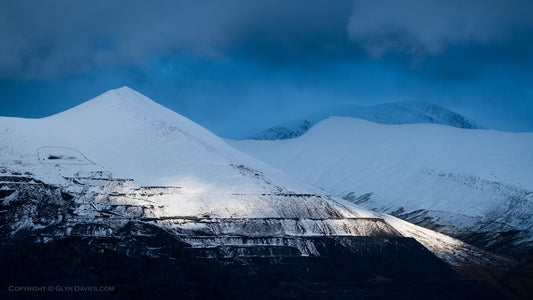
(131, 136)
(121, 178)
(123, 134)
(388, 113)
(472, 184)
(154, 145)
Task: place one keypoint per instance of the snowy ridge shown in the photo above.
(460, 182)
(388, 113)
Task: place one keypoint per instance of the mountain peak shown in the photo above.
(387, 113)
(125, 88)
(120, 102)
(125, 112)
(125, 94)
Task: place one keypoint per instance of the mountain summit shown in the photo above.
(388, 113)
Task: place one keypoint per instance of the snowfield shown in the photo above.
(473, 184)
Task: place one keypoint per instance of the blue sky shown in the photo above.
(237, 66)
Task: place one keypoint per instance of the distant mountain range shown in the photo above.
(476, 185)
(389, 113)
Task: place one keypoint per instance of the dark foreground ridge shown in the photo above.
(45, 243)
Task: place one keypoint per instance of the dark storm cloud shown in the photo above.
(236, 65)
(430, 27)
(446, 40)
(46, 39)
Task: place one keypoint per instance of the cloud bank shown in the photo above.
(430, 27)
(47, 39)
(237, 64)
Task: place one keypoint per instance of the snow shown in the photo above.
(127, 135)
(459, 175)
(343, 154)
(388, 113)
(134, 137)
(123, 134)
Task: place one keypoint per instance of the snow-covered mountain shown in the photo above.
(123, 134)
(388, 113)
(126, 134)
(121, 175)
(473, 184)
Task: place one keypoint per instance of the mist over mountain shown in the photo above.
(389, 113)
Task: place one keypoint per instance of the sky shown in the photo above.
(237, 66)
